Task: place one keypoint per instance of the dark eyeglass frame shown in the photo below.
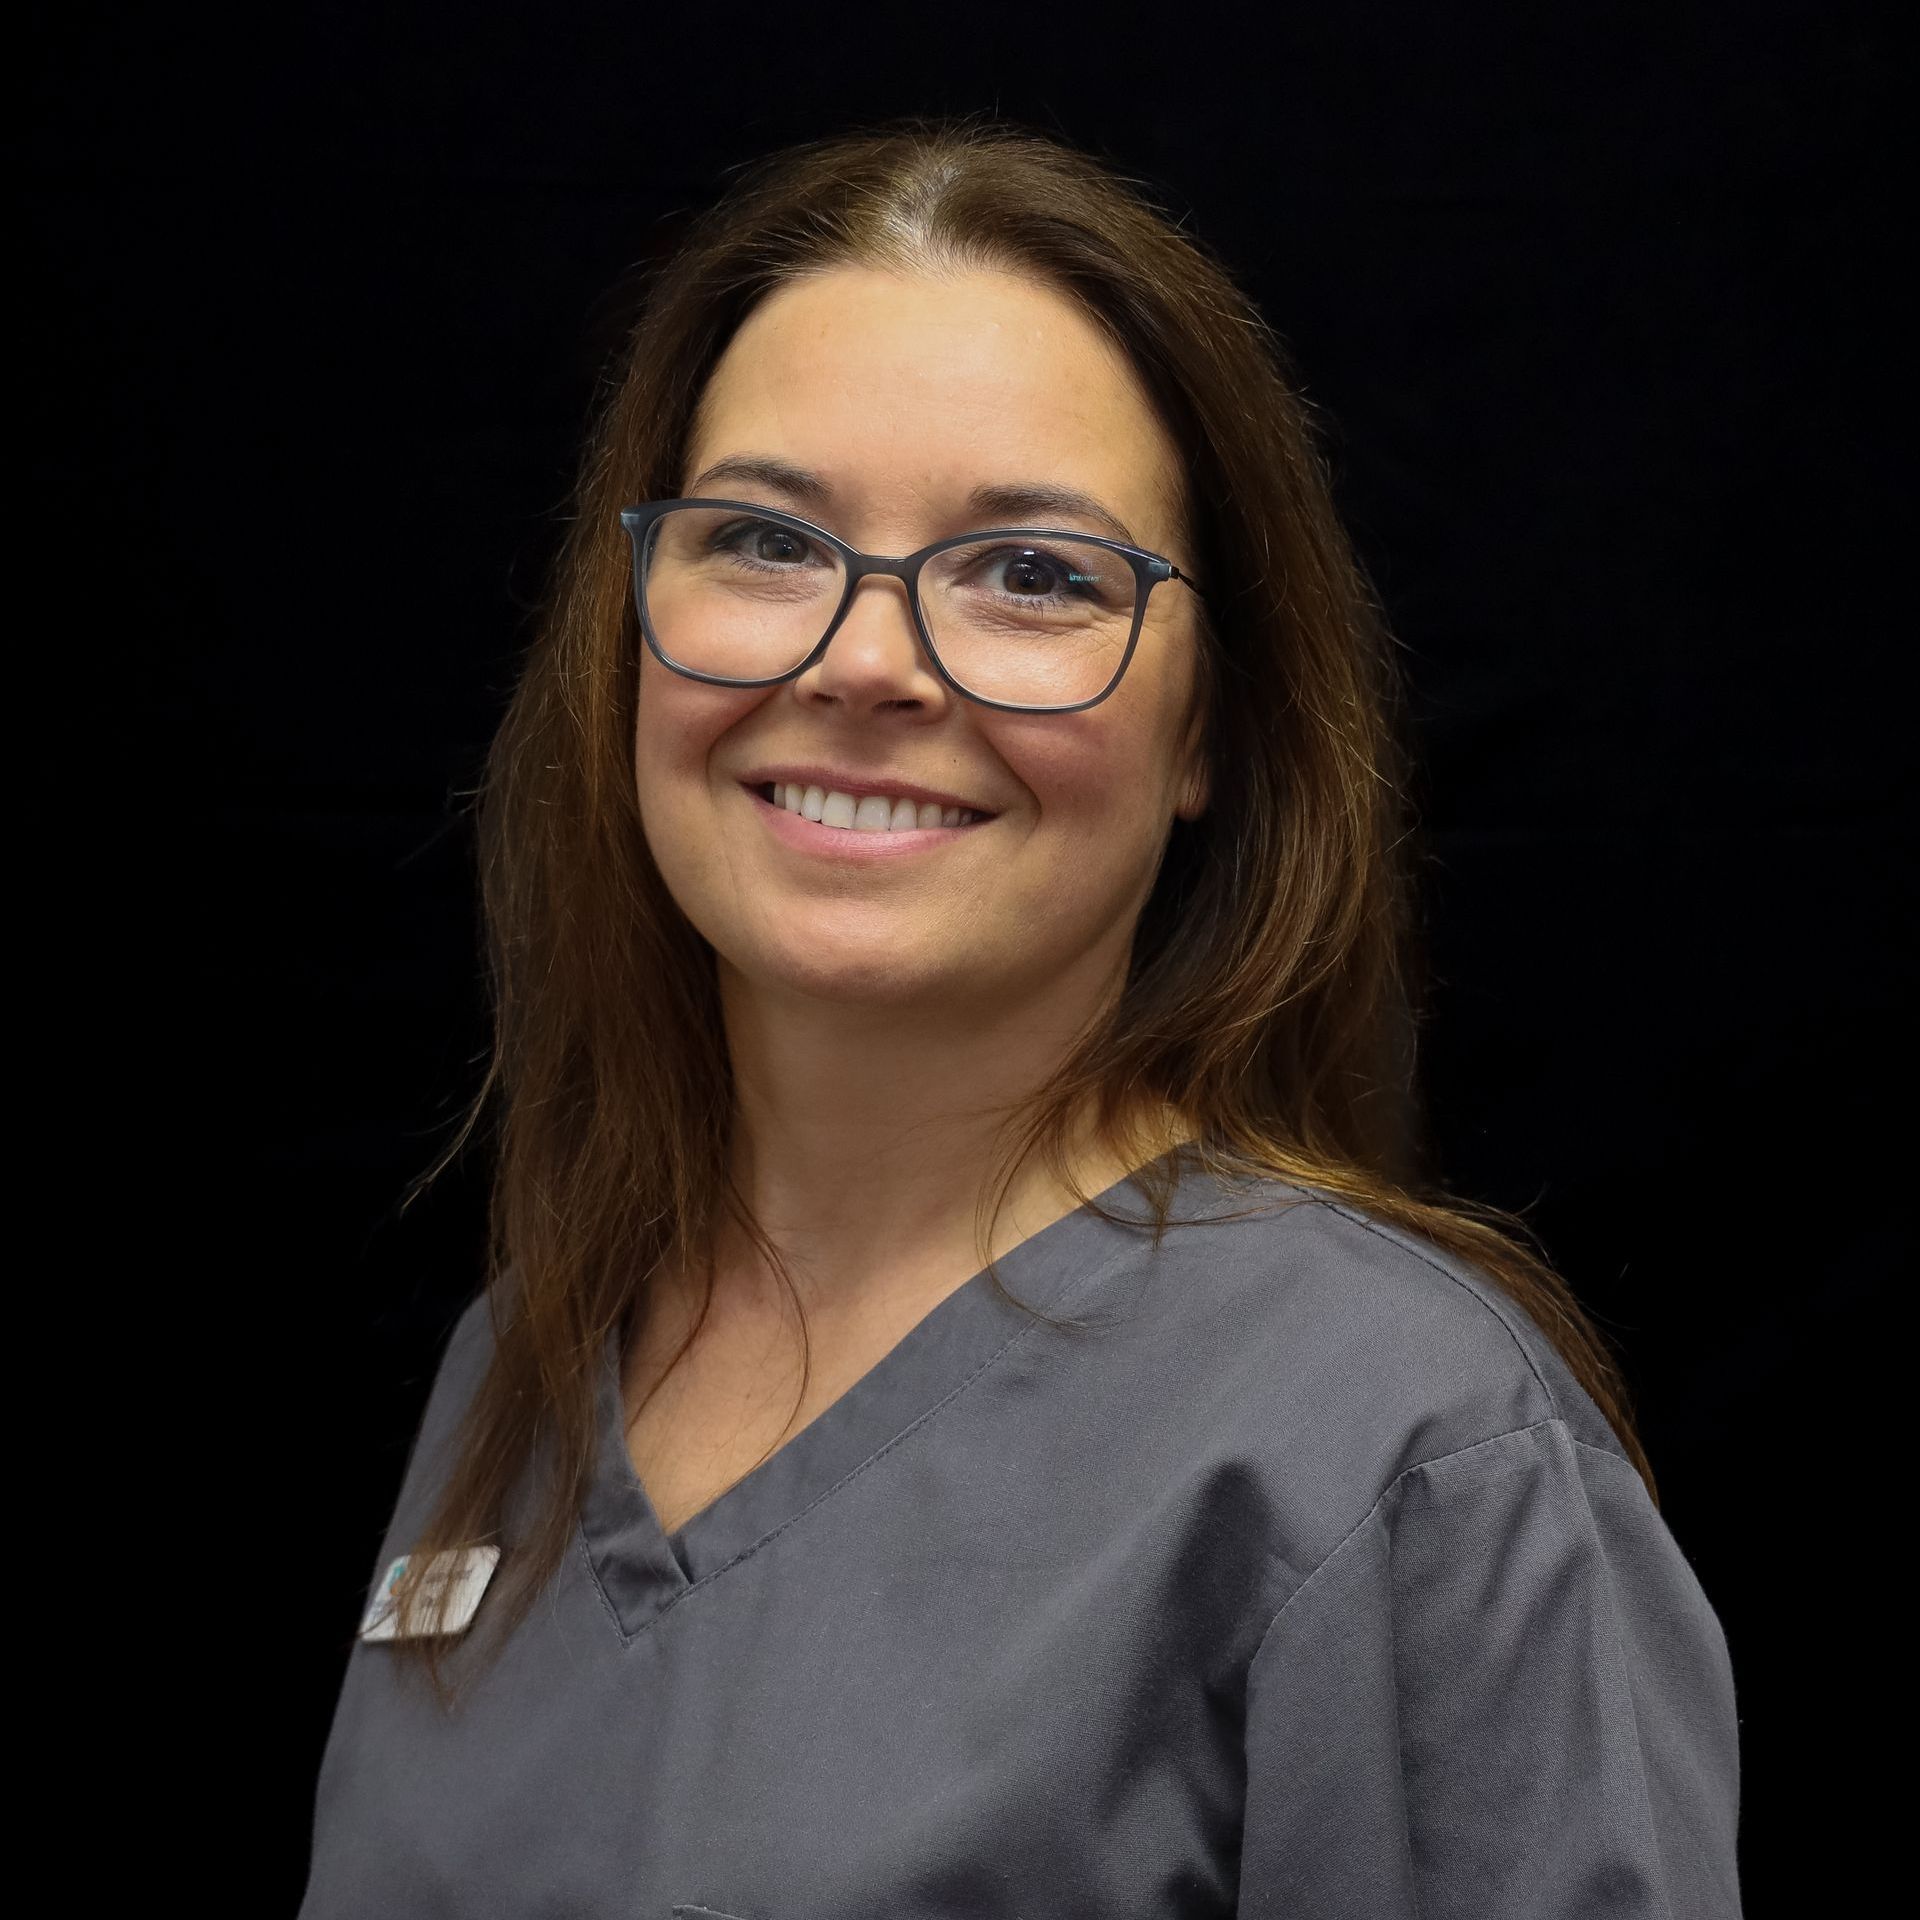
(1149, 570)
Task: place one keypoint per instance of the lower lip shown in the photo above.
(851, 843)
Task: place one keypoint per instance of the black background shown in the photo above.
(1592, 306)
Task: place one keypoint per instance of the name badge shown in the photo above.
(466, 1571)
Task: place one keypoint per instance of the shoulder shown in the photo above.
(462, 1366)
(1357, 1348)
(1451, 1315)
(468, 1348)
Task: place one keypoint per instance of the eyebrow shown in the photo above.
(1028, 502)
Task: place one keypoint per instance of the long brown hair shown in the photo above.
(1274, 992)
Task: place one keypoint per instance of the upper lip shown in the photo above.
(832, 780)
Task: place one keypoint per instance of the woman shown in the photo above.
(977, 1409)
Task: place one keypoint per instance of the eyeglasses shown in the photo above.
(1026, 619)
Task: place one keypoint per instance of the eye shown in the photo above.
(762, 543)
(1060, 577)
(1031, 573)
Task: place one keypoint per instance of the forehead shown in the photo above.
(907, 391)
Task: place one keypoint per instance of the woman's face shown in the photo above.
(903, 395)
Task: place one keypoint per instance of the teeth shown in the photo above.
(870, 813)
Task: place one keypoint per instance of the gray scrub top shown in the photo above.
(1309, 1583)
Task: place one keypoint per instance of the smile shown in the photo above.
(864, 813)
(832, 823)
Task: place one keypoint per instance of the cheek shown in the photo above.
(677, 723)
(1098, 777)
(1100, 823)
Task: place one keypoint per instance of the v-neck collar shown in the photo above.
(643, 1571)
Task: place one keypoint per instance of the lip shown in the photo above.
(859, 786)
(851, 843)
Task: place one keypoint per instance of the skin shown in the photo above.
(881, 1020)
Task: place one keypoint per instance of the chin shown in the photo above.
(868, 973)
(880, 982)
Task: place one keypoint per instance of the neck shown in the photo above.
(865, 1137)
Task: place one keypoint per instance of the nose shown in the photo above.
(875, 654)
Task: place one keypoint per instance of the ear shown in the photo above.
(1195, 795)
(1197, 789)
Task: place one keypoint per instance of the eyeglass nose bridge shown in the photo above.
(861, 566)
